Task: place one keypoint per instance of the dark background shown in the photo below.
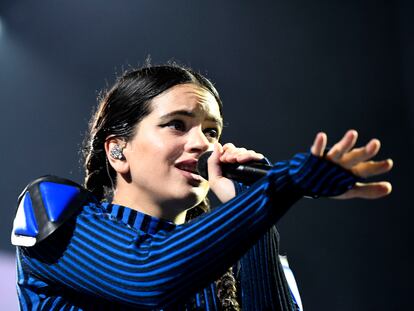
(285, 70)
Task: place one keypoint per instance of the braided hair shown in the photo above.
(119, 111)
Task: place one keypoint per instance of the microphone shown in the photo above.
(246, 173)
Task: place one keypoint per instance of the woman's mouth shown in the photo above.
(188, 169)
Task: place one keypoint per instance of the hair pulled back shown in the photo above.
(119, 111)
(122, 108)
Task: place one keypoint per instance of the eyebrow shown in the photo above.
(191, 114)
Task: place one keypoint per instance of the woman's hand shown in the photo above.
(358, 161)
(223, 187)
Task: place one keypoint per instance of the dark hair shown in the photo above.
(120, 110)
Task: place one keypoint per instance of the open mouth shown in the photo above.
(188, 167)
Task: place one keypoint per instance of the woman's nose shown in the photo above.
(198, 141)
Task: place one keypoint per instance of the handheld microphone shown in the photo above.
(246, 173)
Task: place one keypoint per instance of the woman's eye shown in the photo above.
(177, 125)
(212, 132)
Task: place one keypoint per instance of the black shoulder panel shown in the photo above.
(44, 205)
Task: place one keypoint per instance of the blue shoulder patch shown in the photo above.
(44, 205)
(56, 197)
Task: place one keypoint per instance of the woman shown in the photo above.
(126, 243)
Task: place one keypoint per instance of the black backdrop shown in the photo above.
(285, 70)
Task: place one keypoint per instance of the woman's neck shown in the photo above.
(168, 210)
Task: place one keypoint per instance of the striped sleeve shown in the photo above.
(98, 256)
(315, 176)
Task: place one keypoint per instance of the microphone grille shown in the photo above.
(202, 164)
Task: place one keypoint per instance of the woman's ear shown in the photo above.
(114, 152)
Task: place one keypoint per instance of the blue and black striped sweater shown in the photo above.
(110, 257)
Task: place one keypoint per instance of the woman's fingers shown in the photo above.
(362, 154)
(358, 161)
(231, 154)
(372, 168)
(228, 150)
(249, 155)
(220, 185)
(374, 190)
(344, 154)
(343, 146)
(319, 144)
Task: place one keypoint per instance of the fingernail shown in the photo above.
(373, 145)
(376, 141)
(388, 188)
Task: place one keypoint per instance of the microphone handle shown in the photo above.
(247, 174)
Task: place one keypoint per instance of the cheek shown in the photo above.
(153, 152)
(166, 148)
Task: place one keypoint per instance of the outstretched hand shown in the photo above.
(358, 161)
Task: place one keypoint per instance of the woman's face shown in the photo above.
(184, 122)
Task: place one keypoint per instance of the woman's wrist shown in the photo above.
(317, 176)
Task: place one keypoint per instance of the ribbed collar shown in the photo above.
(137, 220)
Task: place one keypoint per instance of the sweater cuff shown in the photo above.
(316, 176)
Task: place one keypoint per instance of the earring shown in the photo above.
(116, 153)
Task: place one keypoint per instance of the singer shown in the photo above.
(140, 235)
